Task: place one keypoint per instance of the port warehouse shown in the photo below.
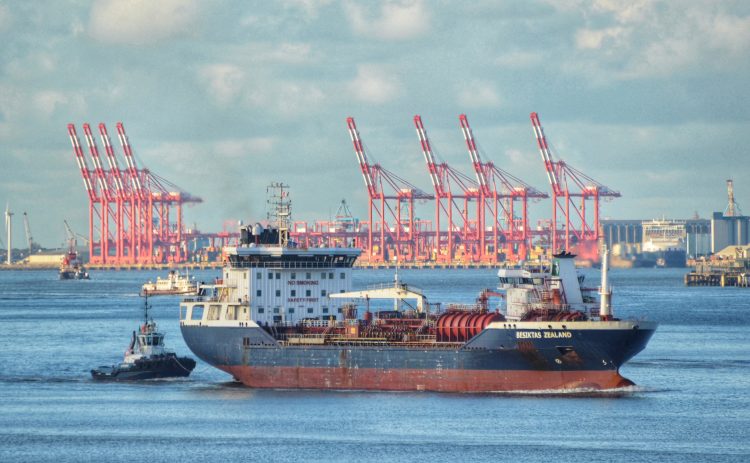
(135, 216)
(625, 237)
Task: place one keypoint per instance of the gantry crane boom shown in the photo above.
(476, 160)
(550, 166)
(99, 173)
(82, 165)
(114, 168)
(429, 158)
(364, 164)
(130, 161)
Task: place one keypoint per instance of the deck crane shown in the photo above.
(27, 229)
(567, 184)
(402, 234)
(72, 241)
(500, 191)
(443, 177)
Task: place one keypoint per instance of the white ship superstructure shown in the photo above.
(274, 284)
(664, 235)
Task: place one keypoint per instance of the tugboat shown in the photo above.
(146, 357)
(173, 284)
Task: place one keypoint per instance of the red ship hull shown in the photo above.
(423, 380)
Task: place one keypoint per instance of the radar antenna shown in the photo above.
(280, 210)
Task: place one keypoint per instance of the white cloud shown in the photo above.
(478, 95)
(310, 7)
(229, 85)
(47, 101)
(645, 38)
(225, 82)
(238, 148)
(374, 84)
(596, 38)
(519, 59)
(5, 18)
(140, 22)
(396, 21)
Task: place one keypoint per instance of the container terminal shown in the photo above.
(136, 218)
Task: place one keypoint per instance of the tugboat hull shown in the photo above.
(151, 368)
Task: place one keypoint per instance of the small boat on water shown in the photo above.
(72, 267)
(174, 283)
(146, 357)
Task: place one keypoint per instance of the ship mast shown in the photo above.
(280, 210)
(605, 310)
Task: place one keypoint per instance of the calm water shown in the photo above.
(692, 402)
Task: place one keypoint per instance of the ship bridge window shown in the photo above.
(196, 313)
(183, 312)
(232, 312)
(214, 312)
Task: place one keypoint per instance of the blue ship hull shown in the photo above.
(494, 360)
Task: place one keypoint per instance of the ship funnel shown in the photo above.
(605, 311)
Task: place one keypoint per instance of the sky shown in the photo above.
(222, 97)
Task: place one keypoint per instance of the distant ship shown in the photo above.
(174, 283)
(664, 243)
(146, 357)
(281, 319)
(72, 268)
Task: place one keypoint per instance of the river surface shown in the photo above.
(691, 402)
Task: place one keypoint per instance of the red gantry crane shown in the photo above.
(499, 192)
(95, 212)
(397, 230)
(464, 233)
(568, 184)
(135, 203)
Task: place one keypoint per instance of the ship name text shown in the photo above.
(543, 334)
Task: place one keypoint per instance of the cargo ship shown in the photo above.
(283, 316)
(664, 242)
